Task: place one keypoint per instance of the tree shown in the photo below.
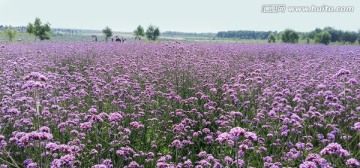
(312, 34)
(39, 30)
(152, 33)
(323, 37)
(244, 34)
(335, 34)
(318, 30)
(10, 34)
(108, 32)
(139, 31)
(349, 36)
(289, 36)
(271, 38)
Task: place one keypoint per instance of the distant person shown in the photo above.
(117, 39)
(137, 38)
(94, 37)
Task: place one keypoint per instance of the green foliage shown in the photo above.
(271, 38)
(335, 35)
(39, 30)
(318, 30)
(10, 34)
(312, 34)
(349, 36)
(323, 37)
(139, 31)
(190, 34)
(244, 34)
(107, 32)
(152, 33)
(289, 36)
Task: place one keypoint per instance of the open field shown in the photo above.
(84, 36)
(173, 104)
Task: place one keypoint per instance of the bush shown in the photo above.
(323, 37)
(108, 32)
(39, 30)
(271, 38)
(152, 33)
(139, 31)
(10, 34)
(289, 36)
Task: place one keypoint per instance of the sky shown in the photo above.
(178, 15)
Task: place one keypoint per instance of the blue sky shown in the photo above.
(179, 15)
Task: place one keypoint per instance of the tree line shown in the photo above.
(324, 36)
(244, 34)
(152, 32)
(189, 34)
(42, 31)
(329, 34)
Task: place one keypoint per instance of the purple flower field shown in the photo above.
(110, 105)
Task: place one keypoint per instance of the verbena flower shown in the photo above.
(334, 149)
(352, 162)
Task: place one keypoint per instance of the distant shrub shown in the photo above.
(271, 38)
(139, 31)
(289, 36)
(152, 33)
(39, 30)
(10, 34)
(107, 32)
(323, 37)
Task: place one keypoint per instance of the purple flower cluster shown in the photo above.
(334, 149)
(24, 139)
(235, 133)
(106, 105)
(352, 162)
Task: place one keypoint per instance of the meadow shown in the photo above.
(111, 105)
